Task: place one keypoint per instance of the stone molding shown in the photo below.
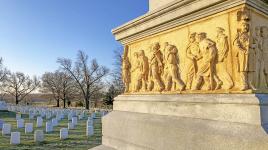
(176, 14)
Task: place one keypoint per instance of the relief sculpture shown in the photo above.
(193, 55)
(126, 66)
(264, 45)
(206, 74)
(156, 69)
(245, 54)
(172, 69)
(207, 63)
(223, 49)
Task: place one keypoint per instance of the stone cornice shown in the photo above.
(175, 14)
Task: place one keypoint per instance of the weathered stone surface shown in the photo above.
(71, 126)
(102, 147)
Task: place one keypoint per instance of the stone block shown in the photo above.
(63, 133)
(28, 127)
(20, 123)
(39, 122)
(39, 136)
(71, 126)
(74, 120)
(90, 130)
(49, 127)
(6, 129)
(15, 138)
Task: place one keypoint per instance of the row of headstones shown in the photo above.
(39, 135)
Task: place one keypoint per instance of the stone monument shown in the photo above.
(3, 106)
(196, 77)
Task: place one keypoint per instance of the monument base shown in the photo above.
(194, 122)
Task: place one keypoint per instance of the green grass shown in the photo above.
(77, 138)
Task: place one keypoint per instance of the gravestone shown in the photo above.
(15, 138)
(89, 130)
(63, 133)
(49, 127)
(39, 122)
(39, 136)
(18, 116)
(6, 129)
(20, 123)
(195, 74)
(55, 122)
(71, 126)
(74, 120)
(28, 127)
(1, 124)
(3, 106)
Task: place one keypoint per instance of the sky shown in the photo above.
(34, 33)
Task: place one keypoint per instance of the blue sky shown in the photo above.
(34, 33)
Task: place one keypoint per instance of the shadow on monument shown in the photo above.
(263, 99)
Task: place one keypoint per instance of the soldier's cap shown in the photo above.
(202, 33)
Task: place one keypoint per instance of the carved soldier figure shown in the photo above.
(156, 69)
(193, 55)
(207, 69)
(257, 46)
(245, 55)
(223, 49)
(173, 69)
(126, 66)
(143, 71)
(135, 72)
(264, 33)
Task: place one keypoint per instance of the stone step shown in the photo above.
(102, 147)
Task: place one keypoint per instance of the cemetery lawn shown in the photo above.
(77, 138)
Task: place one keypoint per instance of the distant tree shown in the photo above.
(59, 84)
(19, 85)
(110, 95)
(116, 73)
(88, 76)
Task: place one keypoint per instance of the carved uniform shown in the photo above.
(223, 48)
(192, 52)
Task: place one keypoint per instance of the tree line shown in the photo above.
(80, 79)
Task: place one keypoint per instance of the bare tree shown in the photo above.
(117, 82)
(19, 85)
(88, 76)
(59, 84)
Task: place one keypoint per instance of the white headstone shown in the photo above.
(1, 124)
(3, 106)
(20, 123)
(90, 131)
(31, 116)
(71, 126)
(89, 122)
(63, 133)
(28, 127)
(39, 122)
(54, 122)
(70, 115)
(15, 138)
(6, 129)
(74, 120)
(38, 136)
(18, 116)
(49, 127)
